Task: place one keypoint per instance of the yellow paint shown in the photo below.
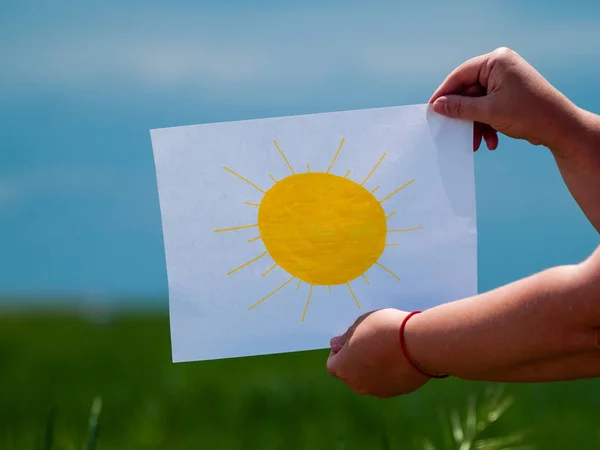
(272, 293)
(390, 215)
(336, 155)
(270, 268)
(329, 289)
(245, 179)
(236, 228)
(273, 178)
(391, 245)
(251, 204)
(322, 228)
(373, 170)
(405, 230)
(353, 296)
(299, 283)
(307, 302)
(347, 173)
(396, 191)
(247, 263)
(388, 271)
(283, 156)
(254, 239)
(374, 189)
(365, 278)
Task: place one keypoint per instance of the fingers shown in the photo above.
(482, 131)
(465, 75)
(475, 90)
(462, 107)
(332, 364)
(338, 342)
(477, 135)
(491, 137)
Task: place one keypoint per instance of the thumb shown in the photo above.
(338, 342)
(461, 107)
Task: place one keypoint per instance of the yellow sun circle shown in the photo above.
(322, 228)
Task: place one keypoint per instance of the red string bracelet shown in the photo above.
(405, 352)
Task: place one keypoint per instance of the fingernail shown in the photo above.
(441, 105)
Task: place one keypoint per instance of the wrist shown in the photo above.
(416, 349)
(572, 132)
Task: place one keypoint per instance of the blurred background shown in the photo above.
(83, 288)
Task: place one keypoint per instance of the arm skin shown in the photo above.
(578, 158)
(541, 328)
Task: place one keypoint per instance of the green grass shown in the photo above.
(66, 383)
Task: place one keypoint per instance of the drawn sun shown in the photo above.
(321, 228)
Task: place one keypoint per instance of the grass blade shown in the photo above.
(49, 435)
(471, 420)
(427, 445)
(93, 423)
(457, 430)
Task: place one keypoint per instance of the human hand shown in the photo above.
(368, 357)
(501, 92)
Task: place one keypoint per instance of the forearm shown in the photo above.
(524, 331)
(577, 154)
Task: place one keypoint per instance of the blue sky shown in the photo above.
(82, 84)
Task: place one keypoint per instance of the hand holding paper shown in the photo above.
(367, 356)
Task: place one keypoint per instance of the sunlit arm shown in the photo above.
(542, 328)
(577, 154)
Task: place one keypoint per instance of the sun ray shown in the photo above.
(387, 270)
(365, 278)
(336, 155)
(299, 283)
(307, 302)
(284, 158)
(272, 293)
(347, 173)
(236, 228)
(308, 167)
(374, 189)
(254, 239)
(373, 170)
(270, 268)
(404, 230)
(329, 289)
(391, 245)
(353, 296)
(396, 191)
(390, 215)
(247, 263)
(245, 179)
(273, 178)
(251, 204)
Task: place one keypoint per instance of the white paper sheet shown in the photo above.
(320, 231)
